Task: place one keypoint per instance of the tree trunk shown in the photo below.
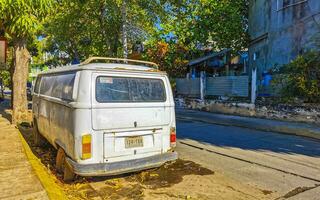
(20, 76)
(124, 29)
(11, 81)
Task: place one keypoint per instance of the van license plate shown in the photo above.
(131, 142)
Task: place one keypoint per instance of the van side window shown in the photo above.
(122, 89)
(37, 85)
(58, 85)
(63, 86)
(46, 85)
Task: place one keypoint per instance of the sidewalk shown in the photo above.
(301, 129)
(17, 178)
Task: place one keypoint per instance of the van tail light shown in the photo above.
(86, 147)
(173, 137)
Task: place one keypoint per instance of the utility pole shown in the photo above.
(124, 29)
(253, 85)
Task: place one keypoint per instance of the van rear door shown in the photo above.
(132, 111)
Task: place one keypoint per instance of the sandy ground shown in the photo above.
(181, 179)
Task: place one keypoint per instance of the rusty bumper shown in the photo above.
(122, 167)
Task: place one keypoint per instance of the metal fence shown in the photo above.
(227, 86)
(215, 86)
(188, 87)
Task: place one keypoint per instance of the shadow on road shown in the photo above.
(247, 139)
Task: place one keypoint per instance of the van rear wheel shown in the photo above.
(63, 167)
(37, 137)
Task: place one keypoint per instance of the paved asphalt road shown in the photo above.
(283, 166)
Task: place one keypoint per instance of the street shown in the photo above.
(193, 100)
(215, 162)
(280, 166)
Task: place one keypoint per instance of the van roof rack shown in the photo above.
(91, 59)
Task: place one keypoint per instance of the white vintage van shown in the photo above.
(105, 118)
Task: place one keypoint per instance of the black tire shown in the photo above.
(63, 167)
(38, 139)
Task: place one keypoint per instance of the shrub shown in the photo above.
(300, 79)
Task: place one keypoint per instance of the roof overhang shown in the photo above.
(208, 57)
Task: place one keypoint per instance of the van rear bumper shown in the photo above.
(116, 168)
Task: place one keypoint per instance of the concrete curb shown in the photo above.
(300, 129)
(48, 181)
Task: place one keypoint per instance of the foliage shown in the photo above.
(208, 23)
(81, 29)
(5, 76)
(23, 18)
(194, 25)
(173, 31)
(301, 78)
(171, 57)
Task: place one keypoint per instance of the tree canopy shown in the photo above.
(21, 20)
(83, 28)
(172, 31)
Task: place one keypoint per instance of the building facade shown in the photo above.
(280, 30)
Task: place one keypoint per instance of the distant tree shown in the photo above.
(207, 23)
(171, 57)
(21, 20)
(193, 25)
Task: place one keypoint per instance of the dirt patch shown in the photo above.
(113, 189)
(128, 186)
(121, 191)
(169, 174)
(266, 192)
(296, 191)
(133, 186)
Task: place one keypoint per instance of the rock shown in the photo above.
(246, 105)
(309, 113)
(264, 108)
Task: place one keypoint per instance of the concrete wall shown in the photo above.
(280, 30)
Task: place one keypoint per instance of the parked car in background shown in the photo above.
(105, 118)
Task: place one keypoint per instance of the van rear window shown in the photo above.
(125, 89)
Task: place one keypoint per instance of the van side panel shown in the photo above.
(62, 127)
(43, 117)
(166, 137)
(55, 120)
(82, 127)
(82, 121)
